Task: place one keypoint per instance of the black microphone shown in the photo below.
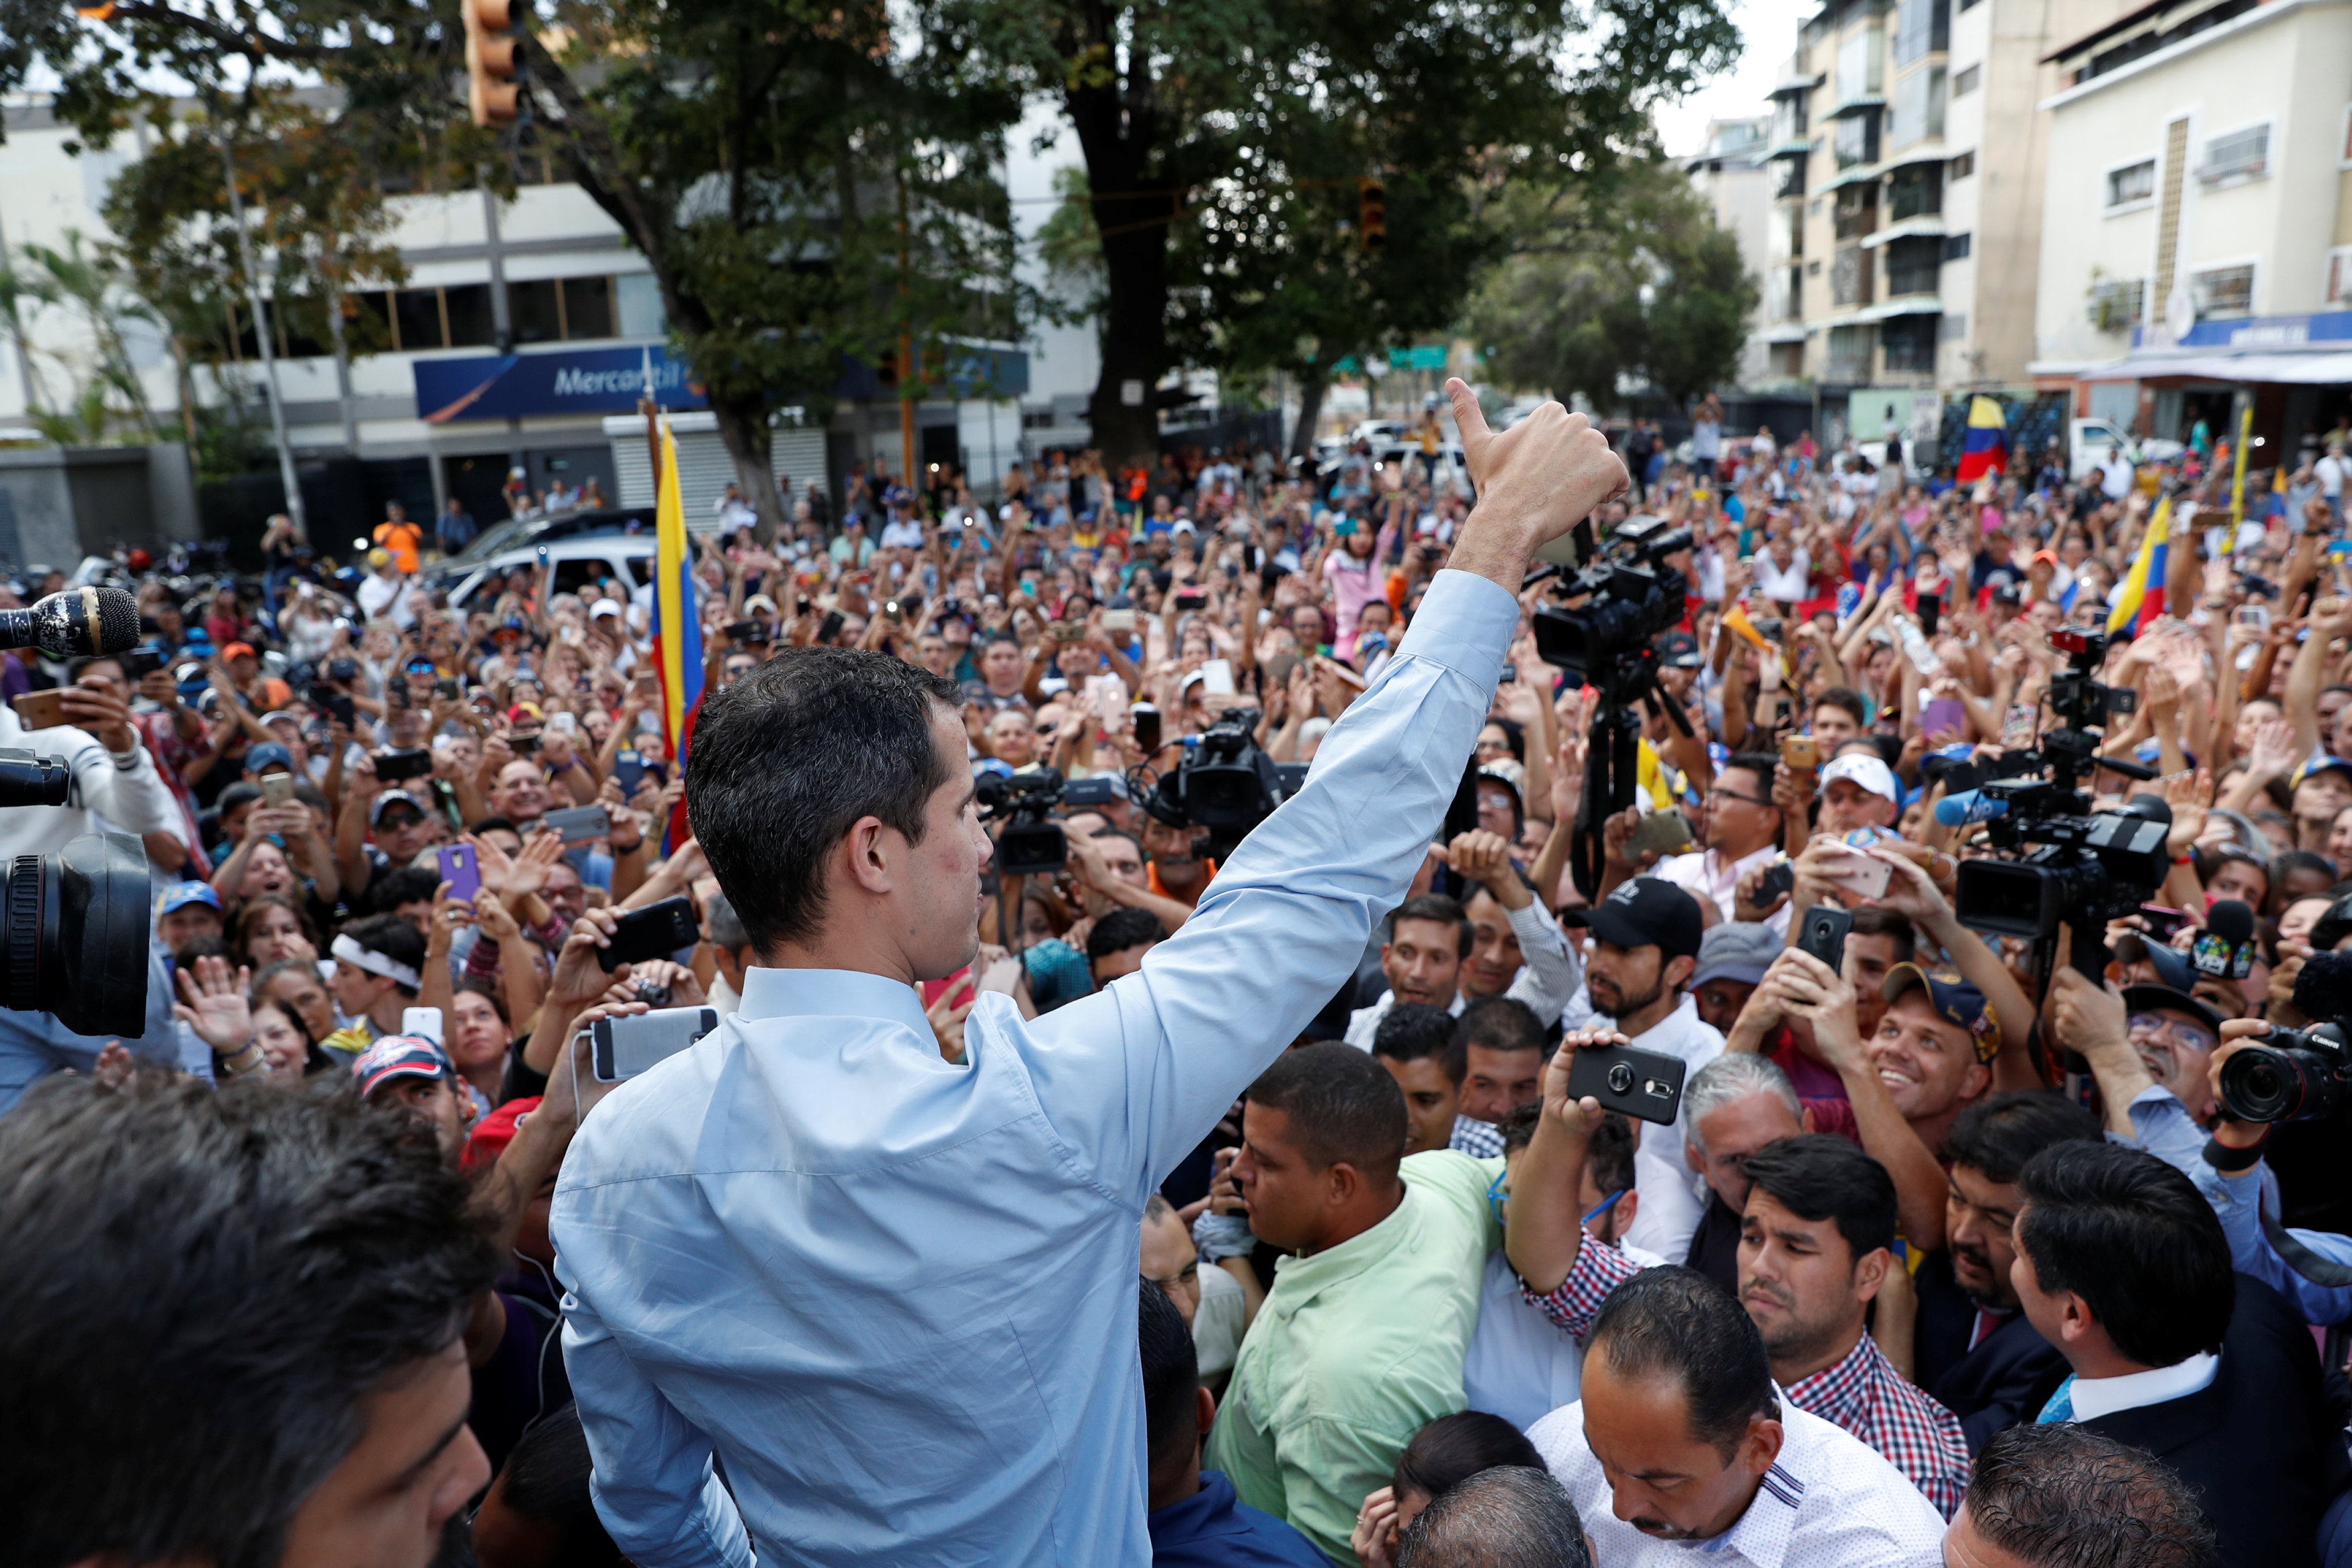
(2323, 990)
(73, 622)
(2225, 949)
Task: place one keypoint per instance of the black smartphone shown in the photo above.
(1780, 878)
(740, 630)
(1146, 719)
(141, 663)
(654, 932)
(337, 704)
(523, 744)
(447, 688)
(1192, 598)
(2163, 922)
(1646, 1084)
(1826, 927)
(830, 627)
(393, 767)
(1931, 610)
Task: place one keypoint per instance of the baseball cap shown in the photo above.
(1736, 950)
(399, 1056)
(233, 649)
(603, 607)
(260, 759)
(1679, 651)
(1954, 1002)
(1184, 526)
(492, 1134)
(392, 798)
(2173, 967)
(1869, 772)
(180, 894)
(1647, 912)
(2148, 998)
(2321, 765)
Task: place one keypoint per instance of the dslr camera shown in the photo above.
(73, 923)
(2299, 1075)
(1030, 843)
(1601, 619)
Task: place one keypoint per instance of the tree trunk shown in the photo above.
(744, 428)
(1312, 383)
(1133, 213)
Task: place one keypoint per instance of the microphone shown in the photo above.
(2324, 988)
(1969, 806)
(75, 622)
(2225, 949)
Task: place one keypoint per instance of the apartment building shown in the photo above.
(1733, 177)
(2197, 254)
(1907, 206)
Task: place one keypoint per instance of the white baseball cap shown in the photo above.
(1870, 772)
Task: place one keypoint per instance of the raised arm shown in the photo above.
(1136, 1074)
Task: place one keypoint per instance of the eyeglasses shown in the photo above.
(1719, 793)
(2170, 1031)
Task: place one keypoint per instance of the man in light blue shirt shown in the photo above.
(892, 1300)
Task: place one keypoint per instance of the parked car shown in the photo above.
(2096, 441)
(579, 558)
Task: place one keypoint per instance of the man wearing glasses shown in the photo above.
(1743, 831)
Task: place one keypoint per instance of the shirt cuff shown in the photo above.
(1467, 623)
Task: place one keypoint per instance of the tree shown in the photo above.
(1624, 279)
(808, 189)
(1223, 140)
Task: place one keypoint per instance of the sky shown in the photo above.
(1769, 33)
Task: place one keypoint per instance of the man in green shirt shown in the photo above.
(1360, 1342)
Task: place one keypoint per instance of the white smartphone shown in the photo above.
(623, 1047)
(1217, 678)
(421, 1022)
(1000, 976)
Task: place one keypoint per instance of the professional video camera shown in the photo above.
(1225, 783)
(2086, 869)
(1599, 626)
(1030, 843)
(2299, 1075)
(73, 925)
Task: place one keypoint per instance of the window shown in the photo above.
(1857, 141)
(1912, 264)
(416, 319)
(1814, 269)
(1956, 246)
(2239, 155)
(1922, 28)
(1791, 179)
(531, 307)
(1856, 212)
(2339, 278)
(1918, 107)
(1966, 81)
(1916, 190)
(2117, 304)
(1850, 352)
(1910, 343)
(587, 308)
(471, 325)
(1858, 65)
(1849, 277)
(2133, 182)
(2224, 291)
(1961, 167)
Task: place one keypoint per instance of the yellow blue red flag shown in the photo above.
(677, 629)
(1985, 449)
(2142, 599)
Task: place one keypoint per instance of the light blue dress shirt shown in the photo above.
(893, 1298)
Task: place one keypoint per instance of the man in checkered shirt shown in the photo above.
(1814, 1251)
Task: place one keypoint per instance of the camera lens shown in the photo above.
(29, 780)
(73, 935)
(2264, 1083)
(1621, 1079)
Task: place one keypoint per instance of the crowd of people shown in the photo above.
(1949, 1249)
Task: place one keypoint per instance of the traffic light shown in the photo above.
(1372, 215)
(489, 60)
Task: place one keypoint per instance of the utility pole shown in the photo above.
(261, 336)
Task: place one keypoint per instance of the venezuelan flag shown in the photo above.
(1986, 448)
(2142, 599)
(678, 631)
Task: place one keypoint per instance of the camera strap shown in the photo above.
(2303, 1260)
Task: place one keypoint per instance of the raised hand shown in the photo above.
(1534, 480)
(213, 1004)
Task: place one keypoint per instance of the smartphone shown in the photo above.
(1119, 620)
(579, 824)
(1146, 720)
(740, 630)
(654, 932)
(1000, 976)
(1824, 934)
(1801, 751)
(628, 772)
(1065, 631)
(1646, 1084)
(447, 688)
(1780, 880)
(141, 663)
(393, 767)
(2251, 615)
(1944, 715)
(563, 723)
(1192, 598)
(40, 710)
(1324, 661)
(1864, 876)
(277, 789)
(337, 704)
(1668, 833)
(1931, 611)
(1217, 678)
(461, 869)
(423, 1022)
(623, 1047)
(524, 745)
(2163, 922)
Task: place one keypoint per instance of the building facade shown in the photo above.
(1733, 177)
(2197, 217)
(1908, 204)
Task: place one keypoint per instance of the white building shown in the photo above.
(1734, 177)
(2197, 216)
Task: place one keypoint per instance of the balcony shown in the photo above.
(1850, 277)
(1917, 191)
(1914, 265)
(1931, 226)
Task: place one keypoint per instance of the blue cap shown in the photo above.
(180, 894)
(260, 759)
